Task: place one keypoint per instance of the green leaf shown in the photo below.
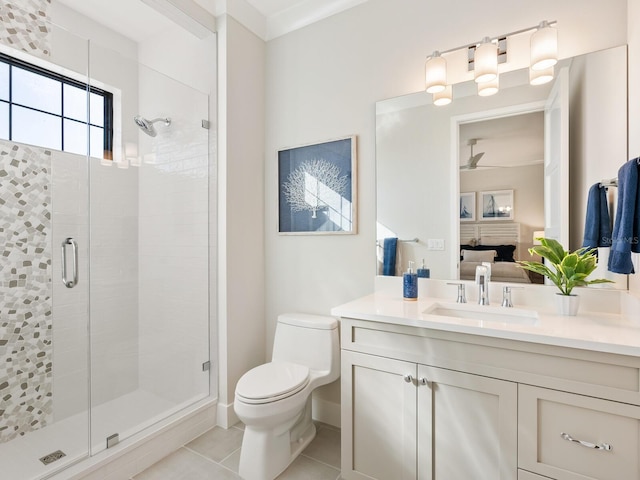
(569, 270)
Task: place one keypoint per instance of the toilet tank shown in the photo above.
(310, 340)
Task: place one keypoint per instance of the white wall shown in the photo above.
(241, 290)
(323, 82)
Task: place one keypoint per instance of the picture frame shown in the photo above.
(317, 189)
(468, 207)
(497, 205)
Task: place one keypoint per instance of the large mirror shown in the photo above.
(492, 173)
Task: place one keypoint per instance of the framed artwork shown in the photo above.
(468, 207)
(317, 188)
(497, 205)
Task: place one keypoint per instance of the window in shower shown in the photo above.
(47, 109)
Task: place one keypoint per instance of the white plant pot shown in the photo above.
(567, 304)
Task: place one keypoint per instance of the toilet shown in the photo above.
(274, 400)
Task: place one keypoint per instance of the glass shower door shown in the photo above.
(44, 237)
(149, 252)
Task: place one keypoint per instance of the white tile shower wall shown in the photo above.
(114, 281)
(70, 196)
(173, 250)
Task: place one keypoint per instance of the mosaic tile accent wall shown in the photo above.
(25, 290)
(25, 26)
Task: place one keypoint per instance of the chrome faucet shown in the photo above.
(483, 276)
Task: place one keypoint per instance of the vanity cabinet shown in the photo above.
(427, 404)
(413, 421)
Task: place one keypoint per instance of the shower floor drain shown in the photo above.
(52, 457)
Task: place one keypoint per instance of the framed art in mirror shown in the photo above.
(497, 205)
(317, 188)
(468, 207)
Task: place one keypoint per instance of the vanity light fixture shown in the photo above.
(544, 47)
(435, 73)
(487, 89)
(486, 61)
(484, 57)
(444, 97)
(540, 77)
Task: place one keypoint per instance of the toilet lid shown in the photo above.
(272, 381)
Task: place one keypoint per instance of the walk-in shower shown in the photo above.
(104, 245)
(147, 125)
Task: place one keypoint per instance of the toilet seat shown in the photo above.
(271, 382)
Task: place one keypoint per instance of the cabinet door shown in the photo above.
(378, 418)
(573, 437)
(467, 426)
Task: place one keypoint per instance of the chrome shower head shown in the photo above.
(147, 125)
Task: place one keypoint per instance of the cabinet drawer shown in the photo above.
(544, 415)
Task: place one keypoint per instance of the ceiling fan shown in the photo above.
(472, 163)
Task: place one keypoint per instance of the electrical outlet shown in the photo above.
(435, 244)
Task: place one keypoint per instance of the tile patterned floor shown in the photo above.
(215, 456)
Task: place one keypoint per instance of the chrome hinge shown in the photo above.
(112, 440)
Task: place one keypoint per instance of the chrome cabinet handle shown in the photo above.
(424, 381)
(74, 250)
(408, 378)
(601, 446)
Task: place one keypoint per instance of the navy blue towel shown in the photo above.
(597, 226)
(389, 256)
(626, 229)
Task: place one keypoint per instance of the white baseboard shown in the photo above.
(326, 412)
(227, 415)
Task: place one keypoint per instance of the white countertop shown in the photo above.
(596, 331)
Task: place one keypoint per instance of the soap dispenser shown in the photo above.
(410, 284)
(423, 272)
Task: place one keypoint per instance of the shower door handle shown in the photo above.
(74, 251)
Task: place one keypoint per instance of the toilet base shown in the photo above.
(266, 454)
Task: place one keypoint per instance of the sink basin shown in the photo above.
(483, 313)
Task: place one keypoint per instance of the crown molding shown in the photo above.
(305, 13)
(300, 15)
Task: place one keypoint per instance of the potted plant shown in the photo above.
(565, 269)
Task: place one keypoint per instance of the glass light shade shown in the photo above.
(544, 47)
(540, 77)
(487, 89)
(485, 61)
(444, 97)
(435, 74)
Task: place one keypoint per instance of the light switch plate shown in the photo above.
(435, 244)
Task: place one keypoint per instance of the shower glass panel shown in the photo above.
(149, 250)
(44, 198)
(104, 244)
